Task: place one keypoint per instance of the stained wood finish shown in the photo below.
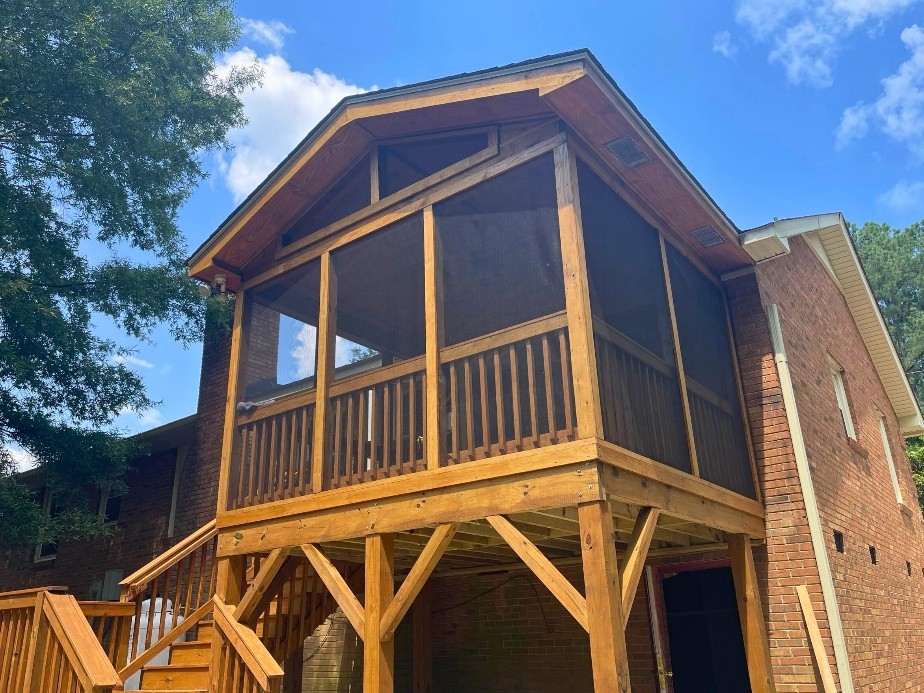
(378, 654)
(111, 623)
(819, 652)
(604, 601)
(244, 665)
(753, 626)
(636, 554)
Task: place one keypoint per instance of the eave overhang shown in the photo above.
(829, 240)
(571, 86)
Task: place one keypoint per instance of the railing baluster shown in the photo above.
(483, 398)
(348, 443)
(565, 382)
(386, 430)
(533, 399)
(549, 397)
(399, 426)
(412, 422)
(499, 399)
(515, 398)
(469, 411)
(454, 412)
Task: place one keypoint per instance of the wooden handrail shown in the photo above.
(509, 335)
(167, 640)
(21, 599)
(81, 649)
(247, 646)
(141, 577)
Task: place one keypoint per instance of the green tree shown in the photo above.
(894, 264)
(106, 107)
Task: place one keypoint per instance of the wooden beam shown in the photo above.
(422, 652)
(379, 654)
(433, 311)
(634, 564)
(577, 297)
(543, 568)
(532, 490)
(678, 358)
(815, 639)
(324, 371)
(259, 592)
(236, 372)
(338, 588)
(416, 578)
(753, 627)
(604, 602)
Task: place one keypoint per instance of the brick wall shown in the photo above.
(141, 534)
(880, 606)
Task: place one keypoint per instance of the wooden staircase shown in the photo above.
(170, 607)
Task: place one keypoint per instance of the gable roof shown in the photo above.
(829, 240)
(571, 86)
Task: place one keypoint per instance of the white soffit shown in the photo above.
(829, 240)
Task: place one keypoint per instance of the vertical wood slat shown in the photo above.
(577, 296)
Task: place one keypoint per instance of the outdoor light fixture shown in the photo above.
(217, 288)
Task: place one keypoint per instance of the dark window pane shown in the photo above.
(715, 412)
(403, 164)
(639, 389)
(380, 298)
(281, 334)
(350, 194)
(501, 252)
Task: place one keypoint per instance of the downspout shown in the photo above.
(811, 504)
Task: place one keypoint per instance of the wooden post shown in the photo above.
(229, 583)
(753, 627)
(324, 371)
(38, 637)
(378, 655)
(604, 600)
(237, 372)
(433, 302)
(422, 647)
(577, 297)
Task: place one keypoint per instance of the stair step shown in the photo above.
(172, 677)
(195, 652)
(204, 630)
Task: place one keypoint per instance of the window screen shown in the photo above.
(281, 334)
(718, 427)
(350, 194)
(380, 298)
(403, 164)
(639, 390)
(501, 254)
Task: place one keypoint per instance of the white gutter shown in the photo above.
(811, 504)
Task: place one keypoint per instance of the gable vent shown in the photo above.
(628, 152)
(708, 236)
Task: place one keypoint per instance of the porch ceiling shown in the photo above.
(571, 86)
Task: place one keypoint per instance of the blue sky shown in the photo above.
(778, 107)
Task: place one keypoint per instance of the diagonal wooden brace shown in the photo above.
(261, 589)
(338, 587)
(417, 578)
(634, 564)
(543, 568)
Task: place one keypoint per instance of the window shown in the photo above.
(840, 393)
(405, 163)
(887, 450)
(110, 505)
(839, 541)
(52, 505)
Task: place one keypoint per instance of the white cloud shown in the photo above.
(806, 35)
(722, 44)
(22, 459)
(272, 33)
(304, 351)
(904, 196)
(132, 360)
(899, 110)
(280, 112)
(137, 421)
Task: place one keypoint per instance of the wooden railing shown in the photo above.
(273, 456)
(243, 664)
(640, 399)
(508, 391)
(171, 587)
(47, 646)
(111, 623)
(377, 424)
